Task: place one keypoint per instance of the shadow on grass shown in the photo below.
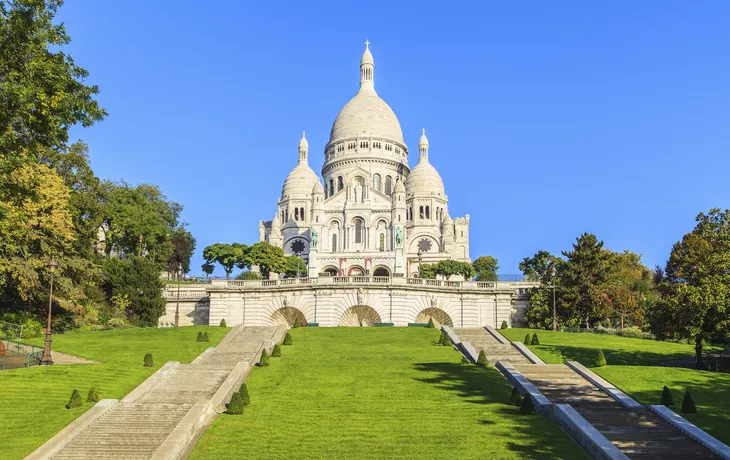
(587, 356)
(540, 437)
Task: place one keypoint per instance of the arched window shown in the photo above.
(334, 242)
(388, 185)
(340, 183)
(296, 213)
(382, 242)
(286, 215)
(301, 214)
(428, 216)
(358, 231)
(420, 213)
(376, 182)
(332, 187)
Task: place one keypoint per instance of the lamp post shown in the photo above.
(420, 275)
(177, 306)
(553, 274)
(47, 360)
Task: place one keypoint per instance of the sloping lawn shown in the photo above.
(32, 400)
(379, 393)
(632, 367)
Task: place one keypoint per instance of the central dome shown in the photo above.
(366, 115)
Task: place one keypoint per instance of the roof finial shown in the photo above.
(367, 44)
(423, 131)
(303, 148)
(304, 134)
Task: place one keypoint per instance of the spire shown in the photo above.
(423, 145)
(367, 68)
(303, 148)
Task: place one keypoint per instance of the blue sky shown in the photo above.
(545, 119)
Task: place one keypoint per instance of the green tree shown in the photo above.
(486, 268)
(269, 258)
(223, 254)
(183, 244)
(294, 266)
(427, 271)
(137, 279)
(208, 268)
(537, 267)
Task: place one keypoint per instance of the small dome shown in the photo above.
(318, 189)
(424, 180)
(303, 144)
(367, 56)
(399, 187)
(300, 182)
(424, 140)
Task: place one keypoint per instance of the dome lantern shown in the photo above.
(423, 145)
(367, 68)
(303, 148)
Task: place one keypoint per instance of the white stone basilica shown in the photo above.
(373, 216)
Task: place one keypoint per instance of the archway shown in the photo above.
(381, 271)
(356, 271)
(329, 271)
(360, 315)
(440, 317)
(287, 316)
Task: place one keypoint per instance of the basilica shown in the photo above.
(370, 214)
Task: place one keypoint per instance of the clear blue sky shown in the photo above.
(545, 119)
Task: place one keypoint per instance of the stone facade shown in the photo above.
(370, 215)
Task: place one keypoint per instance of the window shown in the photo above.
(388, 185)
(334, 242)
(376, 182)
(332, 187)
(420, 213)
(358, 231)
(462, 233)
(382, 242)
(296, 213)
(301, 213)
(427, 213)
(286, 214)
(340, 183)
(316, 219)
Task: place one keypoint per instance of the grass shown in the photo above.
(633, 367)
(376, 393)
(33, 399)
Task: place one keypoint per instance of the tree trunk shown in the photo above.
(622, 322)
(699, 363)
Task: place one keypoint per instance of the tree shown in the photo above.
(688, 406)
(667, 399)
(600, 359)
(137, 279)
(537, 267)
(482, 359)
(183, 244)
(223, 254)
(427, 271)
(696, 284)
(207, 268)
(269, 258)
(294, 266)
(486, 268)
(628, 288)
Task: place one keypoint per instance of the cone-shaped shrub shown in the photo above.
(430, 323)
(245, 398)
(688, 406)
(667, 399)
(515, 399)
(297, 323)
(148, 362)
(264, 361)
(535, 340)
(235, 407)
(200, 337)
(504, 325)
(482, 359)
(287, 339)
(600, 359)
(205, 337)
(528, 339)
(464, 360)
(447, 341)
(441, 338)
(223, 323)
(527, 406)
(75, 400)
(277, 351)
(93, 395)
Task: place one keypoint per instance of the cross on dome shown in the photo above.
(367, 44)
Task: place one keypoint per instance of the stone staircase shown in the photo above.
(161, 416)
(480, 339)
(637, 432)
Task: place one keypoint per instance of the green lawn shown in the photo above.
(32, 400)
(379, 393)
(632, 367)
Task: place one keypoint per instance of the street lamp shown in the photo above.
(420, 275)
(553, 274)
(47, 360)
(177, 306)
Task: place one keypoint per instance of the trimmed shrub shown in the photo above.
(235, 407)
(535, 340)
(528, 339)
(287, 339)
(441, 338)
(464, 360)
(527, 406)
(600, 359)
(205, 337)
(75, 400)
(277, 351)
(430, 324)
(688, 406)
(148, 361)
(297, 323)
(667, 399)
(200, 337)
(504, 325)
(482, 359)
(264, 361)
(515, 399)
(245, 398)
(223, 323)
(447, 341)
(93, 395)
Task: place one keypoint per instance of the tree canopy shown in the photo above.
(486, 268)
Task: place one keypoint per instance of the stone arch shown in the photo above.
(330, 270)
(356, 270)
(440, 317)
(287, 316)
(381, 271)
(360, 315)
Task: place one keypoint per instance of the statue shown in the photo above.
(359, 296)
(358, 192)
(313, 237)
(398, 237)
(434, 301)
(285, 301)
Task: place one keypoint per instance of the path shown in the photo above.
(163, 414)
(637, 431)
